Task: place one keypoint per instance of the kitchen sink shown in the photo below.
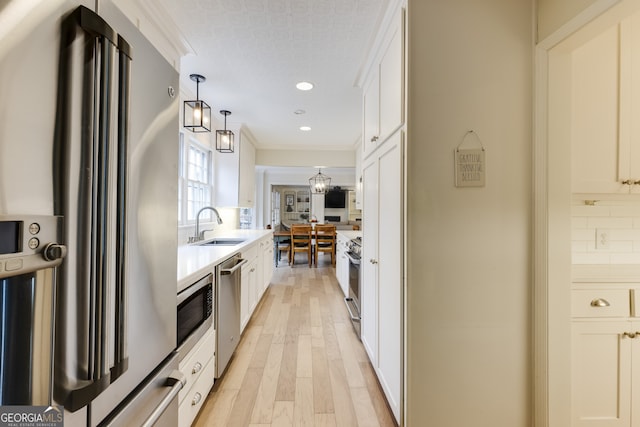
(222, 242)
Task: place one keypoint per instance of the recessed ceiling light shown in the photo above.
(299, 112)
(305, 128)
(304, 85)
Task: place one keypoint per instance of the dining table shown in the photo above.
(279, 236)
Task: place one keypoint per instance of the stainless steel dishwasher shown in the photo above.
(227, 311)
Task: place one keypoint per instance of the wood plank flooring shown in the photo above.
(299, 362)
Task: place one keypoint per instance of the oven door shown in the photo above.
(195, 308)
(353, 300)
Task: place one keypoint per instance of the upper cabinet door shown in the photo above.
(235, 182)
(605, 106)
(383, 95)
(371, 113)
(392, 81)
(594, 115)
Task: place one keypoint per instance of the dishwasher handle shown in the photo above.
(227, 271)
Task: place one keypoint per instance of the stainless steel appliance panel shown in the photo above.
(29, 49)
(35, 171)
(227, 312)
(195, 309)
(152, 213)
(154, 402)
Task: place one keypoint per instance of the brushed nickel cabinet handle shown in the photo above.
(600, 302)
(196, 399)
(196, 368)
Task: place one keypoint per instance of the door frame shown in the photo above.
(552, 212)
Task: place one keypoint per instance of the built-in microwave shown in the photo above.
(195, 309)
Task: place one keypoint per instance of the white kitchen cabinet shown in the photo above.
(267, 263)
(198, 369)
(235, 181)
(381, 266)
(248, 284)
(383, 93)
(342, 263)
(605, 359)
(605, 132)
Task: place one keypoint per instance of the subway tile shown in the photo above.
(584, 210)
(625, 258)
(611, 222)
(591, 258)
(583, 234)
(579, 222)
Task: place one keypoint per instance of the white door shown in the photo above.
(368, 266)
(390, 270)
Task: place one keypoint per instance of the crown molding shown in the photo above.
(158, 26)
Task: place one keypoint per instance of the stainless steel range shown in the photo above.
(353, 300)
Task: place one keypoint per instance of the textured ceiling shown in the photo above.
(252, 53)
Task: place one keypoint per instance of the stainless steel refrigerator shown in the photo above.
(88, 215)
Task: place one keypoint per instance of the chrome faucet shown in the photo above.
(199, 235)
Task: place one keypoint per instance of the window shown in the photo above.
(195, 186)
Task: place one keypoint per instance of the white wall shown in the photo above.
(552, 14)
(310, 158)
(469, 249)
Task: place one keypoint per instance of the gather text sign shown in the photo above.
(469, 167)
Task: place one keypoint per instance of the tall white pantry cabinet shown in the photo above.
(382, 216)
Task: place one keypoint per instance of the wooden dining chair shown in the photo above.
(284, 247)
(300, 242)
(326, 241)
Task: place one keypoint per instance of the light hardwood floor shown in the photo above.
(299, 362)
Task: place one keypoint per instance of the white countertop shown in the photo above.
(621, 273)
(350, 234)
(196, 261)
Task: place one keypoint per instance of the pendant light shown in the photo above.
(197, 114)
(319, 183)
(224, 138)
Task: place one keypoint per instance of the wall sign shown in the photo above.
(469, 163)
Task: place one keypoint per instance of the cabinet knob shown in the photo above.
(196, 368)
(627, 182)
(600, 302)
(196, 399)
(373, 261)
(374, 138)
(630, 334)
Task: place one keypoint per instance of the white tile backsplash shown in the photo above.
(621, 219)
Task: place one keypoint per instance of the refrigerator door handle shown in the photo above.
(120, 309)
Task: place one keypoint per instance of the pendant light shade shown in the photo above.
(224, 138)
(197, 113)
(319, 183)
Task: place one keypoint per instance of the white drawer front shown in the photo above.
(600, 303)
(190, 406)
(193, 365)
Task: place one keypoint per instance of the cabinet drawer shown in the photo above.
(193, 365)
(191, 405)
(600, 303)
(250, 253)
